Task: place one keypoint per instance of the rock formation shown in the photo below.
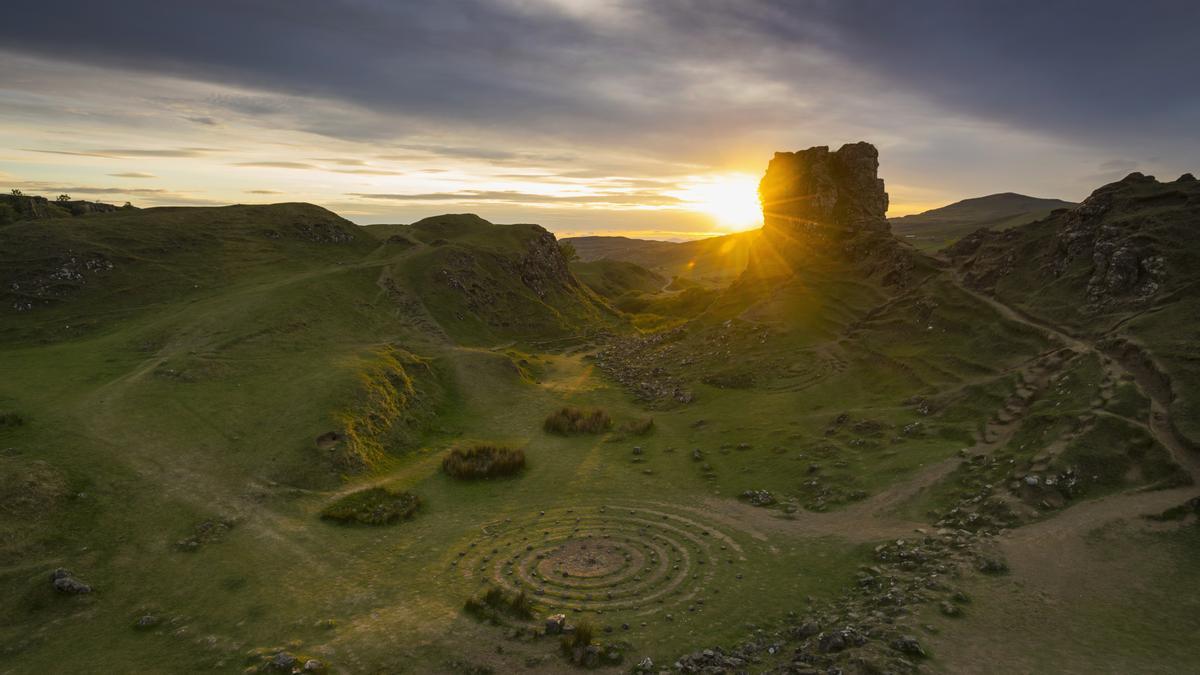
(829, 207)
(1119, 242)
(815, 188)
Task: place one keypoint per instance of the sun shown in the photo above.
(731, 199)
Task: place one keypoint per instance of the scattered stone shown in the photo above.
(908, 644)
(146, 622)
(65, 582)
(759, 497)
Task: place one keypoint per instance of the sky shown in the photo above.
(651, 119)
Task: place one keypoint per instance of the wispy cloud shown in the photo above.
(128, 153)
(133, 174)
(621, 199)
(278, 165)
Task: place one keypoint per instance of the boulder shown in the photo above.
(908, 644)
(65, 582)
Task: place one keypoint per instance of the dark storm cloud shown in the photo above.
(1081, 67)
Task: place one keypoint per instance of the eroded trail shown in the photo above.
(1159, 422)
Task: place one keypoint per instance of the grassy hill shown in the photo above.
(715, 261)
(940, 227)
(613, 278)
(1120, 267)
(187, 391)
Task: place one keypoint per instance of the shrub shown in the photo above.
(577, 421)
(10, 419)
(483, 461)
(374, 506)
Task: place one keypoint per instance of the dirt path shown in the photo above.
(1159, 423)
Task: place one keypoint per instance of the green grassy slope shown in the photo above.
(940, 227)
(175, 452)
(613, 278)
(715, 262)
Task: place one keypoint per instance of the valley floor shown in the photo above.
(151, 466)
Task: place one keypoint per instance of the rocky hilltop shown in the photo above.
(1114, 252)
(16, 207)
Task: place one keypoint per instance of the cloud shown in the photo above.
(963, 98)
(133, 174)
(624, 199)
(132, 153)
(263, 192)
(277, 165)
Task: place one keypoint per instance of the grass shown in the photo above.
(569, 420)
(278, 341)
(494, 604)
(483, 461)
(373, 506)
(583, 635)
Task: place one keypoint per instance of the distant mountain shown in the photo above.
(940, 227)
(714, 261)
(613, 278)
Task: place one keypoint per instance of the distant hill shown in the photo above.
(484, 283)
(456, 275)
(940, 227)
(613, 278)
(715, 261)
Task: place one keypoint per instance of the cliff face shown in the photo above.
(829, 207)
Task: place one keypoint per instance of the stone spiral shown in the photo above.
(634, 559)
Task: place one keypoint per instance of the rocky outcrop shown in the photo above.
(830, 207)
(33, 207)
(839, 192)
(1114, 248)
(543, 267)
(1121, 264)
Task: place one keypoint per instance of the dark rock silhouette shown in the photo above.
(818, 188)
(828, 208)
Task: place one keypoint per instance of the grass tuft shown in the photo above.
(583, 635)
(495, 602)
(483, 461)
(374, 506)
(566, 421)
